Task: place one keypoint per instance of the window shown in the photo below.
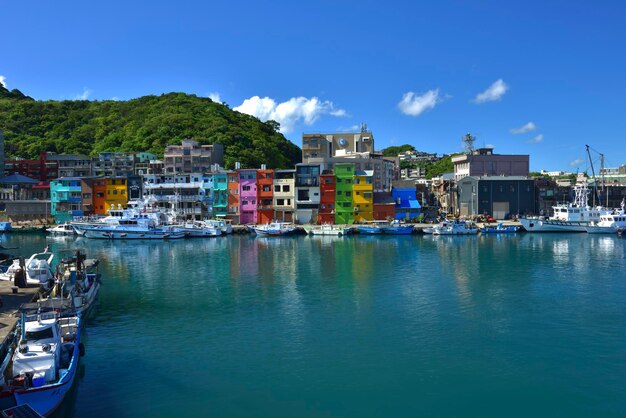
(245, 188)
(286, 188)
(303, 194)
(267, 188)
(367, 195)
(280, 202)
(114, 191)
(277, 188)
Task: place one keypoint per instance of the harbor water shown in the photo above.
(380, 326)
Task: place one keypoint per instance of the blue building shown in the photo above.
(404, 195)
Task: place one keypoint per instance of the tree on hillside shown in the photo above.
(393, 151)
(148, 123)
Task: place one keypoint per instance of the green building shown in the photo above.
(219, 194)
(344, 205)
(66, 199)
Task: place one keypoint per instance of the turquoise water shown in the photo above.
(525, 325)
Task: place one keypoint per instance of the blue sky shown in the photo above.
(422, 73)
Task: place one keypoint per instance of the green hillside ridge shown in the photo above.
(148, 123)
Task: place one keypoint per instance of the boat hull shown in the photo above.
(545, 225)
(601, 230)
(113, 234)
(369, 230)
(397, 230)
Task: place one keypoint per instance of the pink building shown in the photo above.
(247, 197)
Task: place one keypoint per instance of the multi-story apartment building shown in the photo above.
(363, 196)
(233, 196)
(184, 195)
(219, 194)
(265, 196)
(307, 192)
(41, 169)
(65, 199)
(99, 191)
(284, 195)
(113, 164)
(144, 163)
(336, 144)
(326, 213)
(72, 165)
(190, 157)
(483, 162)
(344, 207)
(116, 192)
(247, 196)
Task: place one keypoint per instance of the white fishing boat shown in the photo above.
(328, 229)
(223, 225)
(570, 217)
(62, 229)
(609, 223)
(44, 363)
(196, 229)
(454, 227)
(37, 269)
(274, 229)
(77, 279)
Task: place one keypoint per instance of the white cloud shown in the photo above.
(414, 105)
(529, 127)
(535, 139)
(493, 93)
(84, 95)
(3, 81)
(215, 96)
(576, 162)
(290, 112)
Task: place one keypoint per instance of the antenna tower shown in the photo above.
(468, 142)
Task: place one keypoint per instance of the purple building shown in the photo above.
(247, 197)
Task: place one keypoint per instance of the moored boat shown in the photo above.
(36, 270)
(397, 229)
(45, 360)
(196, 229)
(500, 228)
(77, 280)
(570, 217)
(274, 229)
(455, 227)
(62, 229)
(328, 229)
(609, 223)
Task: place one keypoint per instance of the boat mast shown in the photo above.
(595, 186)
(605, 192)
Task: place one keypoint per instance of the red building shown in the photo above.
(265, 196)
(326, 213)
(41, 169)
(384, 207)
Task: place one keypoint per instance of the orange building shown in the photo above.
(326, 213)
(233, 196)
(99, 189)
(265, 196)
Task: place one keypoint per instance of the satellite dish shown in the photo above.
(343, 142)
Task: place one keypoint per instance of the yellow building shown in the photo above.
(116, 192)
(363, 196)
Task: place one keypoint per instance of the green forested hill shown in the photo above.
(148, 123)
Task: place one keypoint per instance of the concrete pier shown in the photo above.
(10, 304)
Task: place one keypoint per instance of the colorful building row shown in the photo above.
(308, 194)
